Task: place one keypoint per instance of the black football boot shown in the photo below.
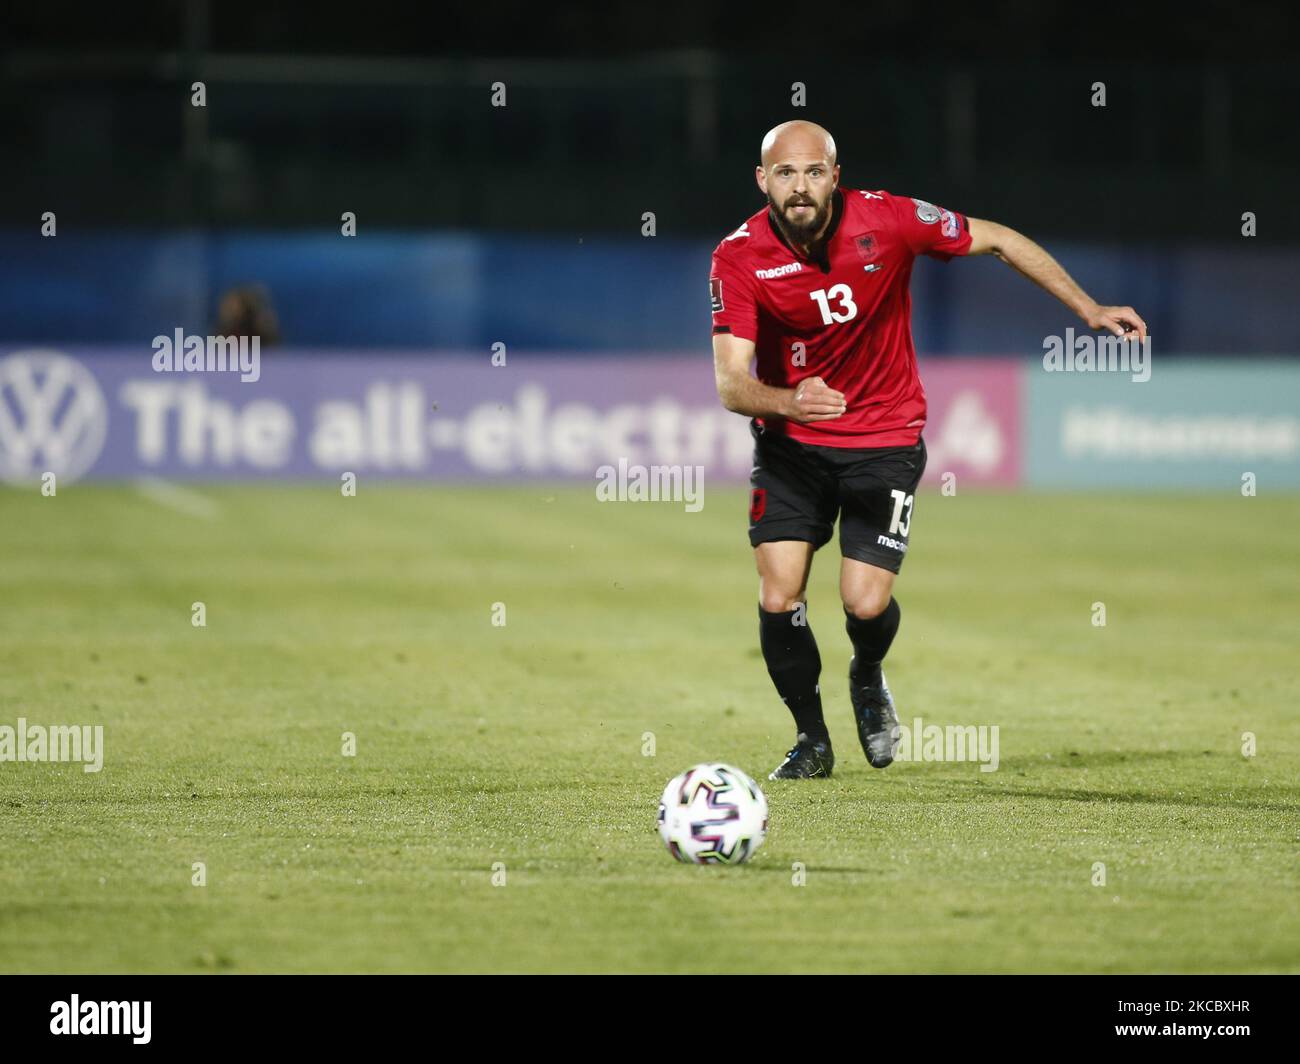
(873, 708)
(808, 760)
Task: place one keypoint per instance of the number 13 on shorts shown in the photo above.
(898, 525)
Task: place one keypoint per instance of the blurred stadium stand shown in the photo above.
(584, 147)
(463, 291)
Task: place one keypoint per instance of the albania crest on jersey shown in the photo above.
(866, 245)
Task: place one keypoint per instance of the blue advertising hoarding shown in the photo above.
(1192, 425)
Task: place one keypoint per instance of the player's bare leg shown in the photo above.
(790, 652)
(783, 569)
(871, 616)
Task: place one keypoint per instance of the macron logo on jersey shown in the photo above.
(742, 231)
(779, 271)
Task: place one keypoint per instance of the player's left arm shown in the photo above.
(1032, 260)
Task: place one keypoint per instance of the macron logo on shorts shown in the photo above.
(892, 544)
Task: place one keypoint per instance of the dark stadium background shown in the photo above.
(616, 110)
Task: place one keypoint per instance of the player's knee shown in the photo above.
(778, 600)
(869, 603)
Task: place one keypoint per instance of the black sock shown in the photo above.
(795, 667)
(871, 638)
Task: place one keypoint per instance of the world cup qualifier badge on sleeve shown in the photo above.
(926, 212)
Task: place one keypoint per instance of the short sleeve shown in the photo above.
(931, 230)
(731, 293)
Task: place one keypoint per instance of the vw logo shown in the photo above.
(53, 417)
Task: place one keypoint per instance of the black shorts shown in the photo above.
(798, 489)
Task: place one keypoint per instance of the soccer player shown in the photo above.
(815, 287)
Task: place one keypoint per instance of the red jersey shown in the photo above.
(846, 318)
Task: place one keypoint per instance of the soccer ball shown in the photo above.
(713, 814)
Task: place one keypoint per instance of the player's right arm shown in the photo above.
(810, 400)
(735, 329)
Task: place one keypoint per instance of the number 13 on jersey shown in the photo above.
(846, 310)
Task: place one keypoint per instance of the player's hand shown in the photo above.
(814, 400)
(1118, 321)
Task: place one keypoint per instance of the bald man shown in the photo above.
(814, 287)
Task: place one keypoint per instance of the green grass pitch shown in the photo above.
(522, 744)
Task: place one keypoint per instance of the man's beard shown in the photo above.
(807, 229)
